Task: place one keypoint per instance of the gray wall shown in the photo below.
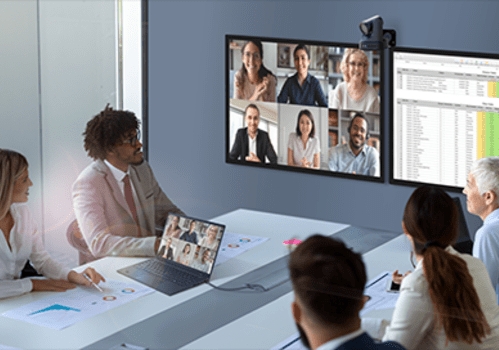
(187, 100)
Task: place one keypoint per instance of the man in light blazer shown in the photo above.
(252, 144)
(117, 201)
(328, 280)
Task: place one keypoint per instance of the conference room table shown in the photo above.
(204, 317)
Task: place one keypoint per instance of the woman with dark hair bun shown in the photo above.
(448, 302)
(253, 81)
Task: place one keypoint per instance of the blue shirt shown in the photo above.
(190, 237)
(342, 159)
(486, 247)
(310, 93)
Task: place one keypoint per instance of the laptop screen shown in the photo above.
(191, 242)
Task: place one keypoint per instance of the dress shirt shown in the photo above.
(413, 320)
(119, 175)
(252, 144)
(342, 159)
(296, 145)
(26, 243)
(334, 343)
(339, 98)
(486, 247)
(204, 243)
(190, 237)
(358, 340)
(197, 264)
(310, 93)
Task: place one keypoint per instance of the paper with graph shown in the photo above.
(63, 309)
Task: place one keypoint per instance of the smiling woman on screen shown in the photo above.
(354, 93)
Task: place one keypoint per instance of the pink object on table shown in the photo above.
(292, 242)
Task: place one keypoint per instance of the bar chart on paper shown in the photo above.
(66, 308)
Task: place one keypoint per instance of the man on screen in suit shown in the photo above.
(117, 201)
(482, 192)
(328, 280)
(252, 144)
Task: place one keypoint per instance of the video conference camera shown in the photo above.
(373, 35)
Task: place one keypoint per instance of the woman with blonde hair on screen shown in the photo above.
(448, 301)
(210, 240)
(354, 93)
(20, 239)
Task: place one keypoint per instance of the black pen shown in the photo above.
(379, 279)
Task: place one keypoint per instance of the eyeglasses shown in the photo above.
(133, 140)
(356, 64)
(256, 55)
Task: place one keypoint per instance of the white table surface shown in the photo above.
(278, 228)
(271, 324)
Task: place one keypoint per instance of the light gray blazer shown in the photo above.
(104, 218)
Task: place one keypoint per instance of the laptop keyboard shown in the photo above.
(169, 273)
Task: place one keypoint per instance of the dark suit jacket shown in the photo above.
(240, 148)
(364, 341)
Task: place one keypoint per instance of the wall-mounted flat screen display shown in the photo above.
(305, 106)
(445, 115)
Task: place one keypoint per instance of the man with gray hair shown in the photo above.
(482, 192)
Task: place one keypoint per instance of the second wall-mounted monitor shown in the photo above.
(445, 115)
(305, 106)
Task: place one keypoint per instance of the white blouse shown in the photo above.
(296, 145)
(26, 243)
(413, 322)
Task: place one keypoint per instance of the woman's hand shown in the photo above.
(397, 278)
(260, 89)
(78, 278)
(305, 163)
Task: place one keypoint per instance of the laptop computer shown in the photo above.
(185, 257)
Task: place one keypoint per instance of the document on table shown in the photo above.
(234, 244)
(63, 309)
(379, 299)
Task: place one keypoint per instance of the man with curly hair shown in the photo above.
(117, 201)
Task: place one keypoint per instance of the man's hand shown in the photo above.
(252, 158)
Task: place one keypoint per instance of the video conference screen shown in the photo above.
(445, 115)
(304, 106)
(191, 242)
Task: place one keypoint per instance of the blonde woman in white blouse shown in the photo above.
(20, 239)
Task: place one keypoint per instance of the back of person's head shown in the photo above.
(108, 129)
(12, 165)
(329, 279)
(486, 174)
(431, 219)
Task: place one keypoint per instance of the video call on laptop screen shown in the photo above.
(264, 76)
(190, 242)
